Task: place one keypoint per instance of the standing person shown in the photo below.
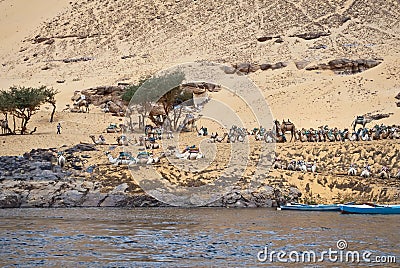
(59, 128)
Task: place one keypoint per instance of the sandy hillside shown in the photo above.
(74, 45)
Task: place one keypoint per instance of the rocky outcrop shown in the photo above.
(301, 64)
(310, 35)
(266, 38)
(246, 67)
(346, 66)
(34, 180)
(107, 98)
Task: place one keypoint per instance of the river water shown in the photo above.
(200, 237)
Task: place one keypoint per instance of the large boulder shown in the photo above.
(301, 64)
(310, 35)
(398, 96)
(246, 67)
(10, 200)
(278, 65)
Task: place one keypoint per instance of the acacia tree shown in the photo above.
(161, 90)
(24, 102)
(50, 97)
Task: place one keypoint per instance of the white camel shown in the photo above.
(268, 138)
(190, 155)
(61, 160)
(352, 171)
(100, 141)
(366, 173)
(141, 159)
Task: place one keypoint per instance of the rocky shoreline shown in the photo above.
(35, 181)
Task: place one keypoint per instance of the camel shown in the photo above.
(268, 137)
(352, 170)
(100, 141)
(202, 132)
(384, 174)
(82, 103)
(286, 127)
(143, 158)
(216, 138)
(304, 167)
(360, 120)
(4, 127)
(122, 140)
(301, 135)
(277, 163)
(190, 153)
(366, 173)
(152, 144)
(292, 165)
(61, 160)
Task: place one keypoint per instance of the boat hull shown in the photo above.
(370, 209)
(302, 207)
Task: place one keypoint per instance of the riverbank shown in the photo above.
(89, 180)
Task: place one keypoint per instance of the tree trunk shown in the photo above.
(14, 123)
(52, 113)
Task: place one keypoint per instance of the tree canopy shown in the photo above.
(161, 90)
(23, 102)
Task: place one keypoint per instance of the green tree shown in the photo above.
(24, 102)
(50, 97)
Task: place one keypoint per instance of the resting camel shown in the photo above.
(82, 103)
(361, 120)
(384, 174)
(100, 141)
(141, 159)
(286, 127)
(216, 138)
(189, 153)
(61, 160)
(352, 170)
(366, 173)
(122, 140)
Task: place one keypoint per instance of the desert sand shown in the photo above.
(125, 41)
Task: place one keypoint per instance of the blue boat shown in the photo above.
(304, 207)
(370, 209)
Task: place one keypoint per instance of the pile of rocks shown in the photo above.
(246, 67)
(346, 66)
(108, 98)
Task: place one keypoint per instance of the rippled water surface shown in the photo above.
(171, 237)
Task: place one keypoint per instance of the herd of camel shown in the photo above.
(303, 166)
(320, 134)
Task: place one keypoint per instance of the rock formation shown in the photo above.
(346, 66)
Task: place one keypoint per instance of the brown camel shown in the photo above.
(286, 127)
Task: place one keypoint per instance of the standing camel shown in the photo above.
(361, 120)
(4, 126)
(286, 127)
